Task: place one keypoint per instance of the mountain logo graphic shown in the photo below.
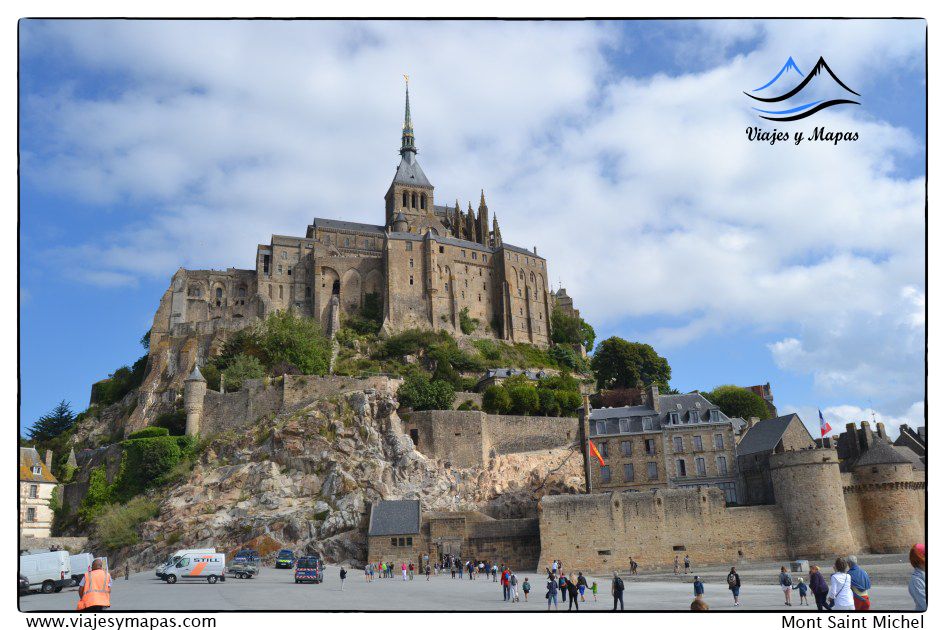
(820, 79)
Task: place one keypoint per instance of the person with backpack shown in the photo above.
(801, 589)
(633, 566)
(818, 586)
(840, 596)
(563, 587)
(571, 584)
(505, 586)
(917, 581)
(686, 565)
(860, 584)
(616, 589)
(784, 579)
(734, 583)
(343, 575)
(552, 594)
(513, 587)
(526, 588)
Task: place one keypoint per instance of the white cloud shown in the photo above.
(643, 193)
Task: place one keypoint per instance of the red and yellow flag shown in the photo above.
(595, 452)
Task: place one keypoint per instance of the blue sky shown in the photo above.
(618, 149)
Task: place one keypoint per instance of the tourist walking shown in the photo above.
(581, 584)
(859, 584)
(411, 571)
(917, 579)
(840, 596)
(368, 568)
(505, 586)
(428, 572)
(686, 564)
(563, 587)
(801, 589)
(403, 569)
(734, 583)
(676, 565)
(513, 586)
(698, 588)
(784, 579)
(571, 584)
(552, 594)
(343, 575)
(594, 590)
(616, 589)
(633, 566)
(818, 586)
(554, 567)
(527, 588)
(699, 605)
(495, 570)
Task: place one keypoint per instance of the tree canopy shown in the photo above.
(53, 424)
(738, 402)
(420, 393)
(568, 329)
(619, 363)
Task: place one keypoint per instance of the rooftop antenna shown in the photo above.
(872, 412)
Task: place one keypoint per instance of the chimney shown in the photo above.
(865, 434)
(853, 441)
(49, 459)
(655, 396)
(752, 421)
(881, 430)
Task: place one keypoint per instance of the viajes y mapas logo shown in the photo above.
(792, 95)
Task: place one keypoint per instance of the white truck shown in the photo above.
(172, 559)
(48, 572)
(79, 564)
(197, 566)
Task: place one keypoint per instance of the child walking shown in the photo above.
(801, 589)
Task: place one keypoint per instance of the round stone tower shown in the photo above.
(808, 488)
(194, 389)
(890, 499)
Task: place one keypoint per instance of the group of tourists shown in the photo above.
(571, 587)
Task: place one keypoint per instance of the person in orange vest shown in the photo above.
(95, 589)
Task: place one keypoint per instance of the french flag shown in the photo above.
(824, 425)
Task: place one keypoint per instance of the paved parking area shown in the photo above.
(275, 589)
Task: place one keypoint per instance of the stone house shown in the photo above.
(762, 439)
(394, 531)
(36, 487)
(669, 441)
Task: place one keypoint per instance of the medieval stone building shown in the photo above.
(426, 264)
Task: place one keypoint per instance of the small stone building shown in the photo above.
(37, 485)
(399, 532)
(763, 438)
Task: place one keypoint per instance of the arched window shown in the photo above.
(423, 201)
(219, 293)
(413, 200)
(405, 199)
(336, 287)
(280, 291)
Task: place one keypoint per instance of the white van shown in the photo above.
(172, 559)
(197, 566)
(80, 564)
(48, 572)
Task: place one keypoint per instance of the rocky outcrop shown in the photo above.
(306, 479)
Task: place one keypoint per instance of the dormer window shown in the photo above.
(601, 427)
(37, 470)
(693, 415)
(713, 415)
(625, 425)
(673, 417)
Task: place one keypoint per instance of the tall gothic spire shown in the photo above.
(407, 139)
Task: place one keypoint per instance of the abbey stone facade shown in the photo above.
(426, 263)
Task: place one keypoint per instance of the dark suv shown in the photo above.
(285, 559)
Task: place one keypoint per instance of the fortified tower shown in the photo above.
(808, 487)
(890, 499)
(195, 387)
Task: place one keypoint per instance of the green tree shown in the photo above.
(496, 400)
(420, 393)
(53, 424)
(619, 363)
(524, 399)
(568, 329)
(466, 323)
(243, 367)
(297, 340)
(738, 402)
(548, 402)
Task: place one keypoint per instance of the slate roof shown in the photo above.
(346, 225)
(681, 404)
(765, 435)
(911, 455)
(410, 173)
(395, 518)
(881, 452)
(29, 458)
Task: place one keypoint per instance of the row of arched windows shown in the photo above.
(412, 198)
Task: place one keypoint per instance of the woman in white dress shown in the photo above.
(840, 596)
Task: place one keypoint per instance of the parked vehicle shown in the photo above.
(197, 566)
(161, 570)
(246, 552)
(79, 565)
(22, 585)
(244, 567)
(285, 559)
(48, 572)
(309, 569)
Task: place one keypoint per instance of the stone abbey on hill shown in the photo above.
(426, 265)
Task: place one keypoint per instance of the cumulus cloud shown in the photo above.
(640, 188)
